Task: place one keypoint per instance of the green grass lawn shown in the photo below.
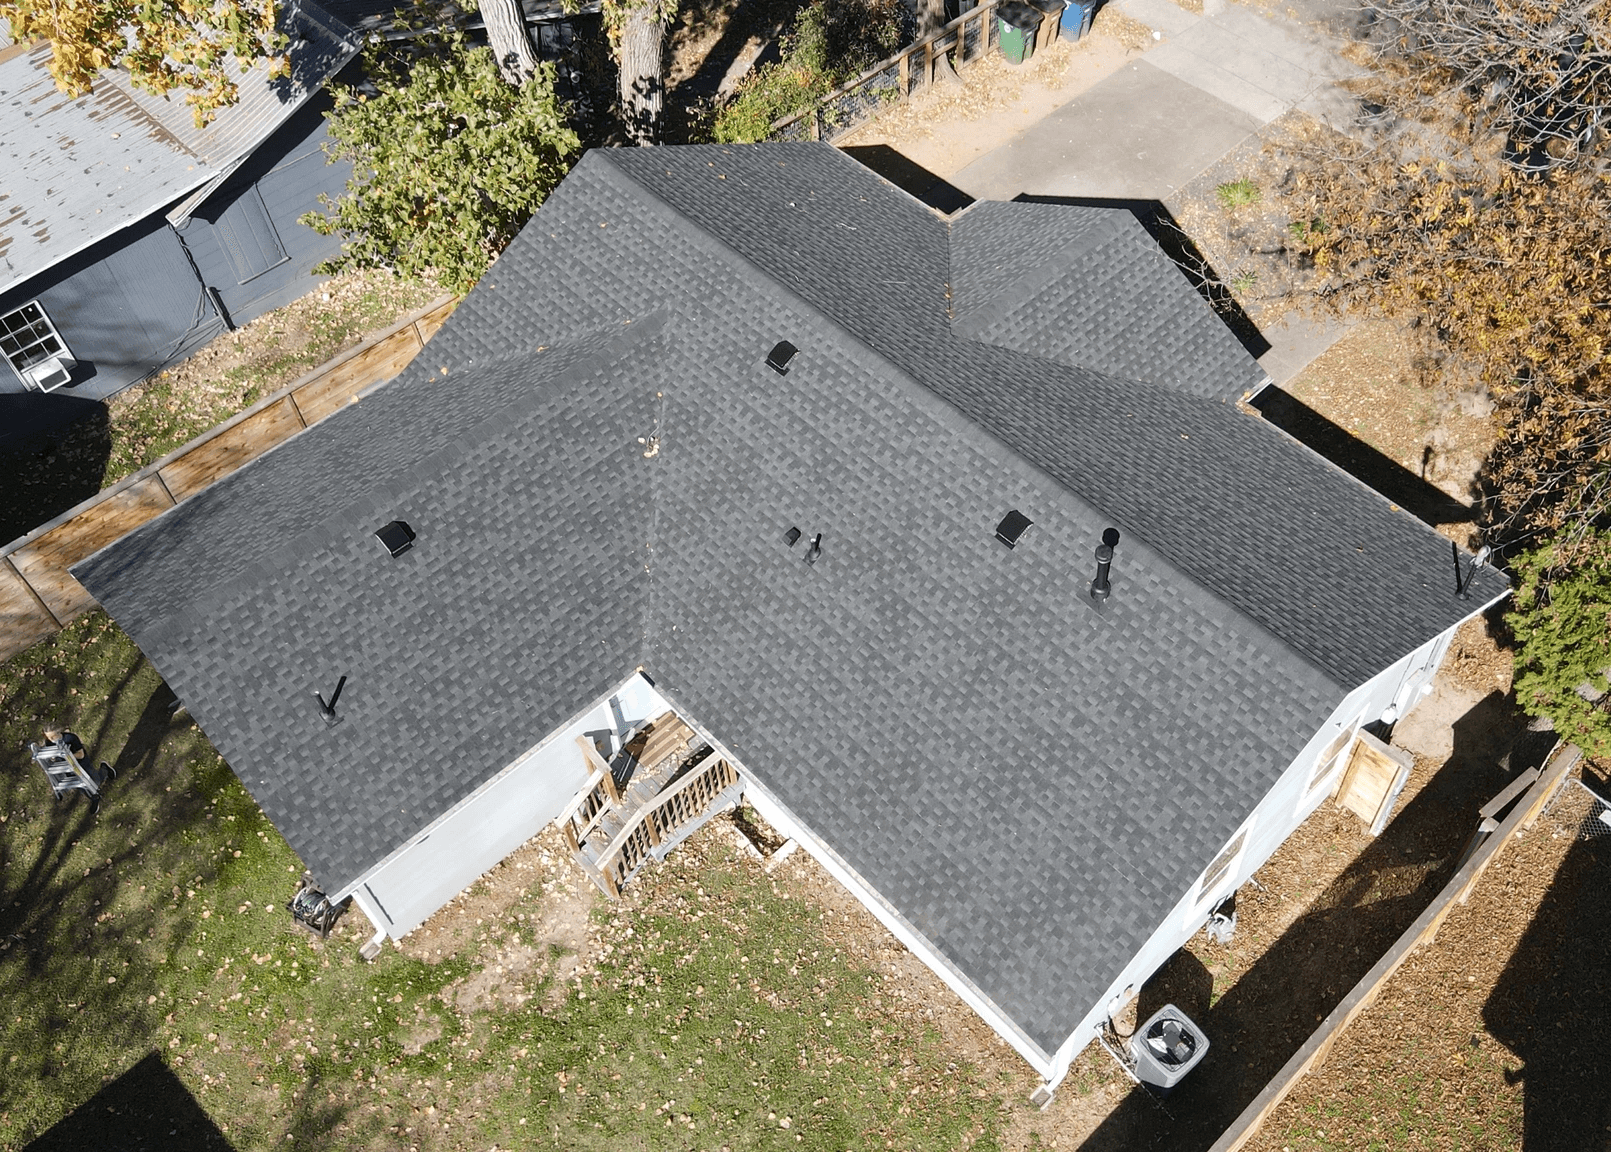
(716, 1013)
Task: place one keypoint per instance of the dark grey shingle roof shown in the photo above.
(1088, 287)
(950, 717)
(260, 591)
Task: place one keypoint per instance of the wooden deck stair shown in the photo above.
(662, 788)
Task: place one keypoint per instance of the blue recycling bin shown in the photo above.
(1077, 16)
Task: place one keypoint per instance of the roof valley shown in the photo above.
(959, 351)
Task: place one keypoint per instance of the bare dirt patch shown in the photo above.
(516, 950)
(1377, 383)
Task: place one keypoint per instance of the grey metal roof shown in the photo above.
(994, 756)
(75, 171)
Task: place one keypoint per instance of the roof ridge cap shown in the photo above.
(947, 411)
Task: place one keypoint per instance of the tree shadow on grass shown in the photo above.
(1268, 1014)
(97, 916)
(53, 454)
(65, 955)
(147, 1109)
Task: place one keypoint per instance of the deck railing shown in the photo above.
(893, 80)
(661, 819)
(583, 813)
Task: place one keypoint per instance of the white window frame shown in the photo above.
(1323, 776)
(1211, 885)
(52, 333)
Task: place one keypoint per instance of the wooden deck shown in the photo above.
(663, 786)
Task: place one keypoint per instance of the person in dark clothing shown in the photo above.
(68, 740)
(62, 738)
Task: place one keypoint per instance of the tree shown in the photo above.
(510, 42)
(637, 33)
(449, 161)
(637, 30)
(1562, 624)
(165, 45)
(830, 42)
(1505, 273)
(1538, 72)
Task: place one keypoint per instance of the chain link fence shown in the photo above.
(1578, 811)
(891, 81)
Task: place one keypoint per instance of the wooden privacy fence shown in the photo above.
(658, 821)
(37, 593)
(1492, 836)
(893, 80)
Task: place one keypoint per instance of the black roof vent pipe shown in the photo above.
(1101, 589)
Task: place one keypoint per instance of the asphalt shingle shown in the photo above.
(996, 757)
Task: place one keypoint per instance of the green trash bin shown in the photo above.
(1019, 24)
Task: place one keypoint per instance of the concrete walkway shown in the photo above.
(1144, 133)
(1209, 83)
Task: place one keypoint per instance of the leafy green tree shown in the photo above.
(164, 44)
(1562, 624)
(831, 41)
(449, 161)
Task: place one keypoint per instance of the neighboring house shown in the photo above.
(619, 507)
(129, 237)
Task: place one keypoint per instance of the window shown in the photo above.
(1326, 764)
(33, 347)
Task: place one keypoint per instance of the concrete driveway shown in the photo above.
(1209, 83)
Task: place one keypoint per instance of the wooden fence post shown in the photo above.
(905, 70)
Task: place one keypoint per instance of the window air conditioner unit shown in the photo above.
(49, 375)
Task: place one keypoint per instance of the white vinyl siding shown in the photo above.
(497, 818)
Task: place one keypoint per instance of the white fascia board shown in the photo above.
(557, 734)
(777, 815)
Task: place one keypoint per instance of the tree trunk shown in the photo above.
(643, 40)
(506, 33)
(930, 19)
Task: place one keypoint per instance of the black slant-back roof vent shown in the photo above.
(397, 537)
(780, 357)
(1012, 528)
